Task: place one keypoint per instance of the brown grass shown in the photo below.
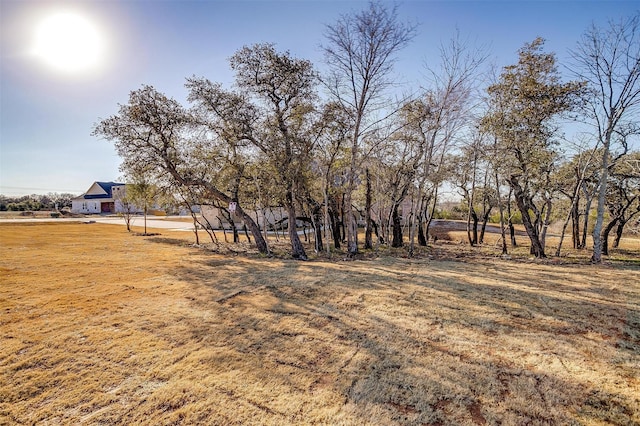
(98, 326)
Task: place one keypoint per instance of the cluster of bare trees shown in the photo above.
(336, 151)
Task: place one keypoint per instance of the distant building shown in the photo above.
(101, 197)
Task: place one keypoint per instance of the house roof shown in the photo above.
(100, 190)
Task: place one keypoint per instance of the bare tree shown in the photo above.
(447, 109)
(609, 60)
(360, 51)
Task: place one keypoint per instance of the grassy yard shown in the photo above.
(98, 326)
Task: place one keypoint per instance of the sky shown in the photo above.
(65, 65)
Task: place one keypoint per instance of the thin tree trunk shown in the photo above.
(433, 210)
(412, 227)
(483, 227)
(605, 236)
(368, 240)
(195, 228)
(575, 224)
(570, 215)
(343, 220)
(512, 229)
(224, 230)
(501, 209)
(545, 225)
(325, 193)
(234, 229)
(585, 223)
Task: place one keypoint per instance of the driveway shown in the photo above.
(152, 222)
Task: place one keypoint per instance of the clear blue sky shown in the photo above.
(46, 116)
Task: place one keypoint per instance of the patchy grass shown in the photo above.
(100, 327)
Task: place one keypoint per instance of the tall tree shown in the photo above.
(609, 60)
(523, 105)
(360, 52)
(284, 86)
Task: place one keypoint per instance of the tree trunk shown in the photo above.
(585, 223)
(316, 222)
(422, 240)
(605, 236)
(397, 227)
(512, 229)
(335, 228)
(234, 230)
(195, 228)
(537, 249)
(261, 244)
(327, 227)
(619, 230)
(413, 225)
(431, 213)
(224, 230)
(545, 224)
(472, 228)
(343, 221)
(501, 209)
(602, 195)
(570, 216)
(368, 240)
(483, 227)
(297, 249)
(575, 225)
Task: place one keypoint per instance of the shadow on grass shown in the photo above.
(416, 342)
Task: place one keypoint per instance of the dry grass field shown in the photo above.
(98, 326)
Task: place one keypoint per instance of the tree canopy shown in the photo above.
(290, 145)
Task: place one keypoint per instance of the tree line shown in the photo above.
(36, 202)
(340, 149)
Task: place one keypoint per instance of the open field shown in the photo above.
(98, 326)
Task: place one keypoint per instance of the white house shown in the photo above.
(101, 197)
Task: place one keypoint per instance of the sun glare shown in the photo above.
(69, 43)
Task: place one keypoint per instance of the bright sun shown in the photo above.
(68, 42)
